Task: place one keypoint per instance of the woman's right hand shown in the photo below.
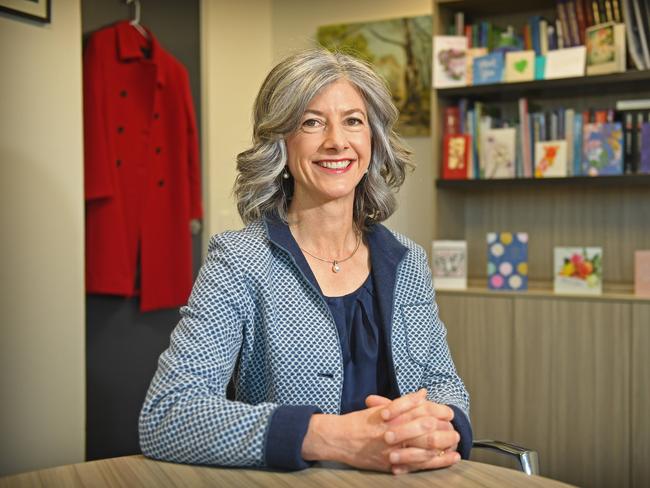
(356, 438)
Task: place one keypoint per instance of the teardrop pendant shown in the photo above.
(335, 267)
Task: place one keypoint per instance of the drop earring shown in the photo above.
(285, 174)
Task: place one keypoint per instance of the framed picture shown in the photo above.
(30, 9)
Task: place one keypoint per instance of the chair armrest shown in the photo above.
(528, 458)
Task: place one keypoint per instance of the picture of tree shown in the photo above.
(400, 50)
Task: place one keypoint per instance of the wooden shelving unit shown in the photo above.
(533, 361)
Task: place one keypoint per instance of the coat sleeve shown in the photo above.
(97, 151)
(193, 154)
(186, 416)
(440, 377)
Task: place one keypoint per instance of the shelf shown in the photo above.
(481, 8)
(574, 181)
(630, 83)
(543, 293)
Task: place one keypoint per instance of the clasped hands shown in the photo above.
(407, 434)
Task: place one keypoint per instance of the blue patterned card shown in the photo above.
(488, 69)
(602, 149)
(507, 267)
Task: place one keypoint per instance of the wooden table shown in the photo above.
(136, 471)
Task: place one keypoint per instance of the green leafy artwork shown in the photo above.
(400, 50)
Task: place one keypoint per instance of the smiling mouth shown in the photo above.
(336, 165)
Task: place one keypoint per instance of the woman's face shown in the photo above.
(330, 152)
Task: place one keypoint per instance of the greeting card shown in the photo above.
(520, 66)
(565, 63)
(550, 159)
(642, 274)
(455, 156)
(602, 149)
(449, 63)
(472, 53)
(499, 152)
(507, 267)
(449, 265)
(605, 48)
(488, 69)
(578, 270)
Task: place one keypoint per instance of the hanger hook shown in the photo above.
(136, 13)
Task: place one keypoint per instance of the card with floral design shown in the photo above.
(449, 61)
(507, 263)
(578, 270)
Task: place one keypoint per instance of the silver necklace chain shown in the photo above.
(335, 263)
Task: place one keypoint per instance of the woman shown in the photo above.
(321, 320)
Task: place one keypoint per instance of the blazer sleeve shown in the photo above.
(98, 181)
(193, 153)
(186, 416)
(440, 377)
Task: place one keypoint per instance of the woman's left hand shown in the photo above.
(406, 415)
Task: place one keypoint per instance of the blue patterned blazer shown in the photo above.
(253, 316)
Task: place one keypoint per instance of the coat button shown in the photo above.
(118, 163)
(161, 183)
(123, 93)
(120, 129)
(158, 150)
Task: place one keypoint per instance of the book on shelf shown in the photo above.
(449, 265)
(642, 273)
(644, 159)
(578, 270)
(605, 48)
(602, 149)
(519, 66)
(565, 63)
(488, 69)
(449, 65)
(551, 159)
(507, 261)
(499, 152)
(473, 53)
(456, 148)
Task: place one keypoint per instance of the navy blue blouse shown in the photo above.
(363, 346)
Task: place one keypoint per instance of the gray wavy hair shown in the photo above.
(260, 189)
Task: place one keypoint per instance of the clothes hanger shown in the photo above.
(135, 22)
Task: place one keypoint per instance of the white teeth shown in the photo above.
(334, 164)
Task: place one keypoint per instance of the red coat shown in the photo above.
(142, 176)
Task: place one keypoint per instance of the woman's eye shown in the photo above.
(312, 123)
(354, 121)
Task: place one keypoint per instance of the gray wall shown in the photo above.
(122, 344)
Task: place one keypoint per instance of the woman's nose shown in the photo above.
(335, 137)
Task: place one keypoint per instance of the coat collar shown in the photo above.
(130, 44)
(386, 252)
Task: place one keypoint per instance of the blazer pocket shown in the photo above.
(418, 321)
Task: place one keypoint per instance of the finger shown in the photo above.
(412, 455)
(424, 426)
(403, 404)
(441, 440)
(376, 401)
(426, 409)
(441, 461)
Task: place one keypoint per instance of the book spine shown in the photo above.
(577, 145)
(628, 141)
(636, 161)
(580, 18)
(543, 36)
(468, 35)
(616, 11)
(567, 135)
(564, 22)
(552, 39)
(589, 14)
(524, 124)
(560, 34)
(534, 32)
(573, 23)
(609, 15)
(528, 38)
(460, 23)
(596, 12)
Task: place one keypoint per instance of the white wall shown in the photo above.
(42, 379)
(235, 58)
